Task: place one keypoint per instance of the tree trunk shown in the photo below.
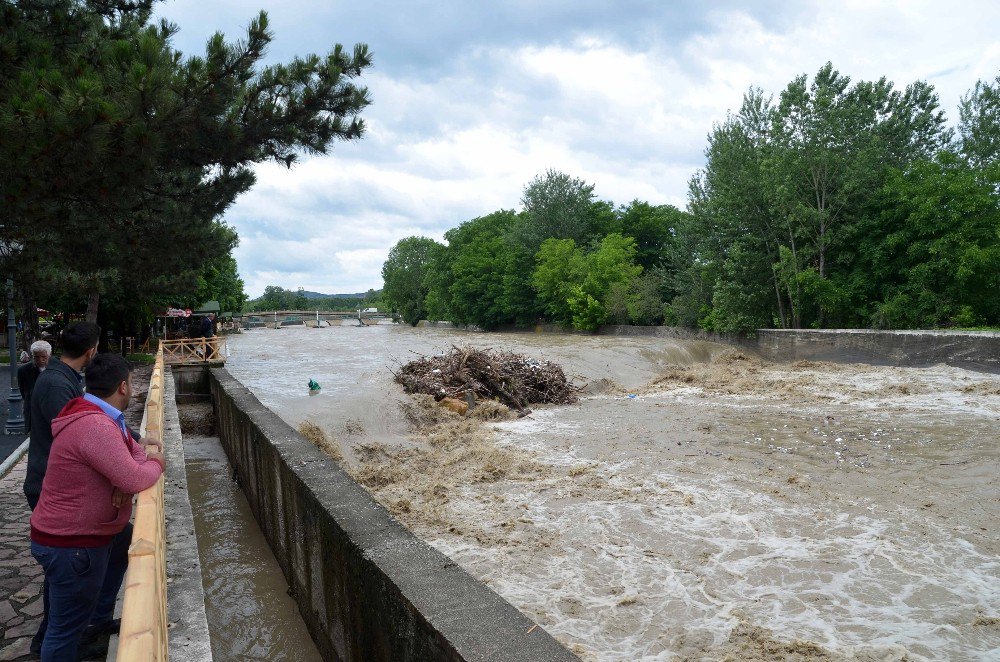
(29, 317)
(93, 301)
(777, 293)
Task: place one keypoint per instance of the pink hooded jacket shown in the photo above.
(90, 457)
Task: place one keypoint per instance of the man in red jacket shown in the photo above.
(80, 527)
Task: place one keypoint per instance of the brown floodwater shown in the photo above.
(250, 614)
(692, 505)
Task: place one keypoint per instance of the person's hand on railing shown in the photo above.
(119, 498)
(159, 457)
(151, 442)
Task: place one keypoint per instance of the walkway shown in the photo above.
(20, 574)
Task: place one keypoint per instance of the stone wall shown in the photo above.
(367, 588)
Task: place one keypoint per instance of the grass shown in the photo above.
(143, 359)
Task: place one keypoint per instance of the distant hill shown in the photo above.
(320, 295)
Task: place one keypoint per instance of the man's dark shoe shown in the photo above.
(92, 632)
(95, 649)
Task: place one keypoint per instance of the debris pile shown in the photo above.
(510, 378)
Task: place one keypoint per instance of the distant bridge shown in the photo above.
(276, 319)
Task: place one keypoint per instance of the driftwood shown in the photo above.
(511, 378)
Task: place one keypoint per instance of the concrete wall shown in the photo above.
(970, 350)
(973, 350)
(367, 588)
(191, 383)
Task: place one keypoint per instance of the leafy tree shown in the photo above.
(404, 274)
(979, 124)
(562, 268)
(734, 200)
(220, 281)
(936, 255)
(610, 265)
(833, 144)
(478, 268)
(557, 206)
(644, 298)
(654, 229)
(438, 278)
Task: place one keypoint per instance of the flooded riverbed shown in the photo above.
(695, 503)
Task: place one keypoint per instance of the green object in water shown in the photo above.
(313, 385)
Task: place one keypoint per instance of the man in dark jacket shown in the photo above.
(61, 382)
(27, 375)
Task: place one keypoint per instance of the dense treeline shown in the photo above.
(278, 298)
(837, 204)
(120, 154)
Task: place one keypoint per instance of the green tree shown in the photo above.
(613, 263)
(220, 281)
(833, 145)
(557, 206)
(562, 268)
(654, 229)
(979, 124)
(644, 297)
(934, 246)
(403, 274)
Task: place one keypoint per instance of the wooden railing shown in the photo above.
(143, 633)
(193, 350)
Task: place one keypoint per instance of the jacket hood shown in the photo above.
(74, 410)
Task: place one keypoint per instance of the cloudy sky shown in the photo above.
(472, 99)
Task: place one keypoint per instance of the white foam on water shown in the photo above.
(654, 563)
(654, 577)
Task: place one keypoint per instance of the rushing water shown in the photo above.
(804, 510)
(250, 615)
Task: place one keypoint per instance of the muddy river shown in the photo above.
(696, 503)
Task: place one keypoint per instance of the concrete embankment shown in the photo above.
(367, 588)
(972, 350)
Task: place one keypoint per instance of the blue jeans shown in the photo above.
(83, 584)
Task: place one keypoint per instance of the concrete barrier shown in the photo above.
(367, 588)
(971, 350)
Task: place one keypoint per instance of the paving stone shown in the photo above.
(6, 611)
(19, 648)
(33, 608)
(26, 593)
(31, 570)
(29, 628)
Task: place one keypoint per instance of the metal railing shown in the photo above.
(143, 633)
(194, 350)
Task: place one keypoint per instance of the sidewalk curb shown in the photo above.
(14, 458)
